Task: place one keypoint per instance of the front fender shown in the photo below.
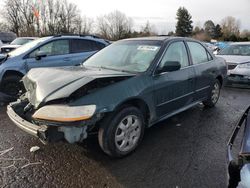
(109, 98)
(12, 67)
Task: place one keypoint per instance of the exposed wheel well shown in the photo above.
(220, 79)
(140, 104)
(11, 72)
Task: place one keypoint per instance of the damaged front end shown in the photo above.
(47, 111)
(26, 118)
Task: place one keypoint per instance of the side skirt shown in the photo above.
(175, 112)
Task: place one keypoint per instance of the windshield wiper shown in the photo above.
(108, 68)
(120, 70)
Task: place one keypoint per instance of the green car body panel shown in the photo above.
(161, 94)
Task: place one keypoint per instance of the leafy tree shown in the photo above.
(184, 23)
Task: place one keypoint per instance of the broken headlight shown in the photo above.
(65, 113)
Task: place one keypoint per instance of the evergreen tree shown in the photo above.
(210, 28)
(196, 30)
(217, 32)
(184, 23)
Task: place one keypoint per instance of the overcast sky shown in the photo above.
(162, 13)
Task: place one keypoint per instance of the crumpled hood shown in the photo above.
(235, 58)
(46, 84)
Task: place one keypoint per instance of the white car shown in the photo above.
(211, 47)
(237, 56)
(16, 43)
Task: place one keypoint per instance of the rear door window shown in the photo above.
(198, 53)
(83, 45)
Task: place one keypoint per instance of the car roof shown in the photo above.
(26, 37)
(90, 37)
(240, 43)
(158, 38)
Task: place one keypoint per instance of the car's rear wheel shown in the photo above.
(214, 94)
(12, 86)
(121, 133)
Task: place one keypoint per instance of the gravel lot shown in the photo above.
(188, 150)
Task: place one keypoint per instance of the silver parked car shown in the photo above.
(16, 43)
(237, 56)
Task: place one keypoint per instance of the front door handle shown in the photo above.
(66, 59)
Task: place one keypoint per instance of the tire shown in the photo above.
(117, 137)
(12, 86)
(213, 95)
(234, 174)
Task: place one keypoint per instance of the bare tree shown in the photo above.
(114, 26)
(3, 27)
(12, 14)
(83, 25)
(51, 17)
(103, 27)
(230, 26)
(147, 30)
(26, 9)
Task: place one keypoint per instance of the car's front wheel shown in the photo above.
(121, 133)
(214, 94)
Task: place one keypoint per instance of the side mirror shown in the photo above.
(170, 66)
(40, 54)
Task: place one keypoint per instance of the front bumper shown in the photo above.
(26, 126)
(47, 133)
(235, 79)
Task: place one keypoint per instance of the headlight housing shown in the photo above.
(244, 65)
(65, 113)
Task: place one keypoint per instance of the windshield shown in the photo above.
(27, 46)
(242, 50)
(20, 41)
(130, 56)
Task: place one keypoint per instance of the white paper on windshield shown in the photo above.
(148, 48)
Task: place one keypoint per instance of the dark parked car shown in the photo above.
(52, 51)
(118, 92)
(16, 43)
(239, 168)
(7, 37)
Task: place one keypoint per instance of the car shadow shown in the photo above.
(168, 151)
